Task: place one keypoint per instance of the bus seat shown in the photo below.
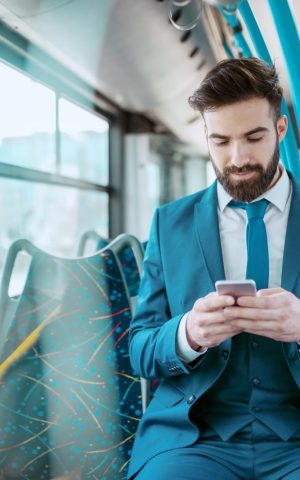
(129, 252)
(129, 243)
(91, 241)
(69, 403)
(128, 259)
(128, 247)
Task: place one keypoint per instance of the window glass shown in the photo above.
(27, 133)
(52, 217)
(32, 133)
(84, 143)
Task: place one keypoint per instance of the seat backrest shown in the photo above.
(69, 403)
(129, 251)
(129, 254)
(91, 236)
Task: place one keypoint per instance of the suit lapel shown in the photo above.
(207, 233)
(206, 227)
(290, 268)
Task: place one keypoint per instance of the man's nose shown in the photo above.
(239, 154)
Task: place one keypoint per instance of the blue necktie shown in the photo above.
(257, 242)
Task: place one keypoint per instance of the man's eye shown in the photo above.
(255, 139)
(223, 142)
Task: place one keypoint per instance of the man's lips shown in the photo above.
(243, 174)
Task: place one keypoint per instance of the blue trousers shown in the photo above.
(254, 453)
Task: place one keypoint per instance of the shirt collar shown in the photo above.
(278, 195)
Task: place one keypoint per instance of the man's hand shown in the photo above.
(273, 313)
(207, 325)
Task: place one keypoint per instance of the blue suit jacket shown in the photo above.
(182, 262)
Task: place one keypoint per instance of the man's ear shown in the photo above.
(282, 126)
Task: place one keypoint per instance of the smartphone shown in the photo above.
(243, 288)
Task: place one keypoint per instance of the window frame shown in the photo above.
(19, 53)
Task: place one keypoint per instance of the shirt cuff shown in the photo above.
(185, 352)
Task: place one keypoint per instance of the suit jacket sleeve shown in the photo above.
(152, 336)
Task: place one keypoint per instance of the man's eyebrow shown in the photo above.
(246, 134)
(256, 130)
(217, 135)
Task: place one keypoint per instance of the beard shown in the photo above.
(248, 190)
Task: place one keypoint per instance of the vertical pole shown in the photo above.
(290, 44)
(288, 147)
(230, 16)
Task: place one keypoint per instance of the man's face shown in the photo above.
(243, 146)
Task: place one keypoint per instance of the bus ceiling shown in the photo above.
(130, 52)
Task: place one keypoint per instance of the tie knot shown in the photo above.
(254, 209)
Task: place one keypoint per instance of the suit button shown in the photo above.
(191, 399)
(255, 345)
(255, 381)
(225, 353)
(256, 409)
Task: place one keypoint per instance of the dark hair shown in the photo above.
(235, 80)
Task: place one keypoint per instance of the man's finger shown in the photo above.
(216, 335)
(214, 302)
(273, 300)
(255, 326)
(264, 292)
(253, 314)
(211, 319)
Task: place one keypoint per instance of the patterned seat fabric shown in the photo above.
(129, 267)
(69, 406)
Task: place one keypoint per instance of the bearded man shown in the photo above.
(228, 403)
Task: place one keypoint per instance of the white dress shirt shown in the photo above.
(232, 227)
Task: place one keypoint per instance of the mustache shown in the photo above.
(244, 169)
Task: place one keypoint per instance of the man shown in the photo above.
(228, 404)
